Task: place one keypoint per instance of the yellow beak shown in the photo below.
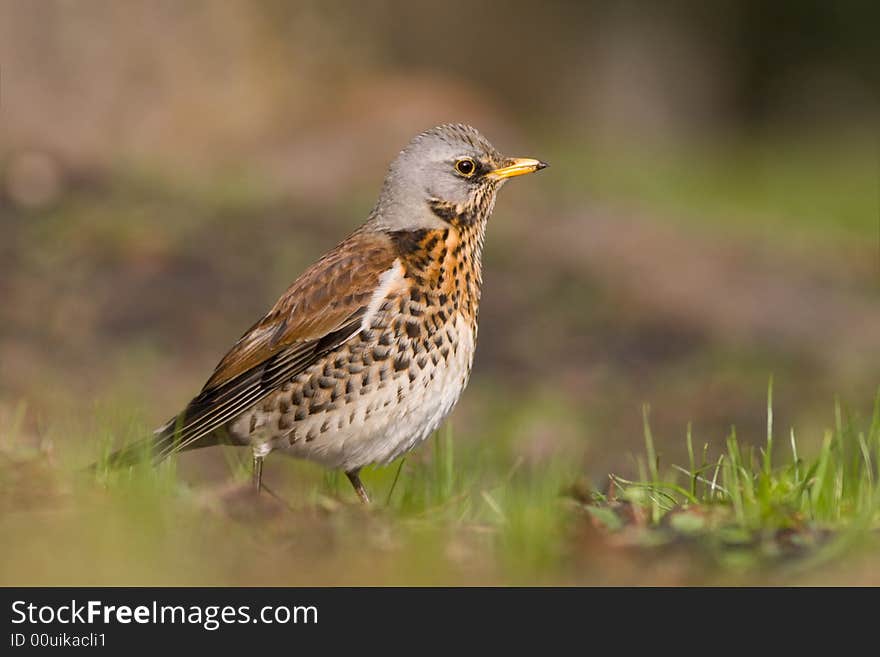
(517, 166)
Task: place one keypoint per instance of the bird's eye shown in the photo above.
(465, 166)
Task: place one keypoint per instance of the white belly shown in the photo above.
(389, 422)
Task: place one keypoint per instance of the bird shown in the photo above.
(369, 350)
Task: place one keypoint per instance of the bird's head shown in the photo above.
(448, 170)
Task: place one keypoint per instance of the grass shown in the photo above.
(454, 512)
(769, 498)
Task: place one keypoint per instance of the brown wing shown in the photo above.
(319, 302)
(321, 310)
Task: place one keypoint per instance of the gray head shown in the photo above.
(451, 166)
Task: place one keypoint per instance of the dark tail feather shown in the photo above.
(152, 449)
(140, 451)
(145, 450)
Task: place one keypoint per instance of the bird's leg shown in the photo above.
(258, 473)
(260, 450)
(354, 478)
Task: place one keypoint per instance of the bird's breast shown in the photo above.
(443, 272)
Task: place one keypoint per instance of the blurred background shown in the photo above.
(710, 218)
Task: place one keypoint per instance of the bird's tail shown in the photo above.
(145, 450)
(152, 449)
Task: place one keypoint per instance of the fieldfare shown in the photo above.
(369, 350)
